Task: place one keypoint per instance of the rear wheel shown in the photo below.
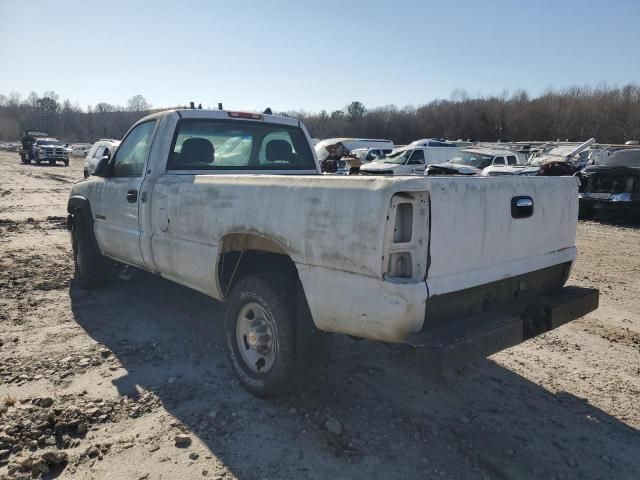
(585, 212)
(66, 162)
(52, 162)
(92, 269)
(260, 334)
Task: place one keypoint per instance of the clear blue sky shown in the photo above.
(312, 55)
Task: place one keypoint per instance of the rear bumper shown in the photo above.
(449, 348)
(609, 205)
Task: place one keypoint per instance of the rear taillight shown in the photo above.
(406, 237)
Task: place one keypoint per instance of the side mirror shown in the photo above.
(102, 168)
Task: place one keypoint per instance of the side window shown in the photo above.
(133, 152)
(511, 160)
(498, 161)
(99, 152)
(417, 157)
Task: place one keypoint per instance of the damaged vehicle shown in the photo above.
(296, 257)
(472, 161)
(344, 155)
(550, 160)
(612, 185)
(409, 160)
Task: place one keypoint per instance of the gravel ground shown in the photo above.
(132, 381)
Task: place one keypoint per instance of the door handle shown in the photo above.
(132, 196)
(521, 207)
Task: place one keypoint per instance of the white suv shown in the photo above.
(104, 146)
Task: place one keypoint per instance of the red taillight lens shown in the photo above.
(251, 116)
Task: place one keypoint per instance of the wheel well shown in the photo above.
(247, 254)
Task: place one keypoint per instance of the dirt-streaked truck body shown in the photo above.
(233, 205)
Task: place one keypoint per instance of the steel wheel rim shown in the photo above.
(255, 338)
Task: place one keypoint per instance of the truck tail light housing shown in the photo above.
(400, 265)
(406, 238)
(403, 225)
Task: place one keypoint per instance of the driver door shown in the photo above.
(116, 208)
(416, 162)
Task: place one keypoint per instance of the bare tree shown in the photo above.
(138, 103)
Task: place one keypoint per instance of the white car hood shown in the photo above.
(378, 166)
(510, 170)
(462, 169)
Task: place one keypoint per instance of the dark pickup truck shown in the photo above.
(38, 146)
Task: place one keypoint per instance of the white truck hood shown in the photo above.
(495, 170)
(379, 166)
(456, 168)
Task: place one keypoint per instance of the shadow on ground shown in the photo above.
(490, 423)
(617, 219)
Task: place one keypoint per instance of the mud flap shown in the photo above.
(312, 345)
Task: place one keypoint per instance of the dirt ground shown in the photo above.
(132, 382)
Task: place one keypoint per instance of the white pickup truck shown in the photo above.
(233, 205)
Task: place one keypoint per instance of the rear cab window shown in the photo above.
(511, 160)
(239, 145)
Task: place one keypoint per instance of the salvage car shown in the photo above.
(472, 161)
(409, 160)
(296, 257)
(102, 148)
(612, 185)
(550, 160)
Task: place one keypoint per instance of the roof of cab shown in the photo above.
(489, 151)
(233, 115)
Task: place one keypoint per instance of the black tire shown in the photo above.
(52, 163)
(92, 269)
(585, 212)
(66, 162)
(277, 297)
(86, 174)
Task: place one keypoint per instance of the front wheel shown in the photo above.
(92, 269)
(585, 212)
(66, 162)
(52, 163)
(260, 334)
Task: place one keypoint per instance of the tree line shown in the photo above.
(610, 114)
(66, 120)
